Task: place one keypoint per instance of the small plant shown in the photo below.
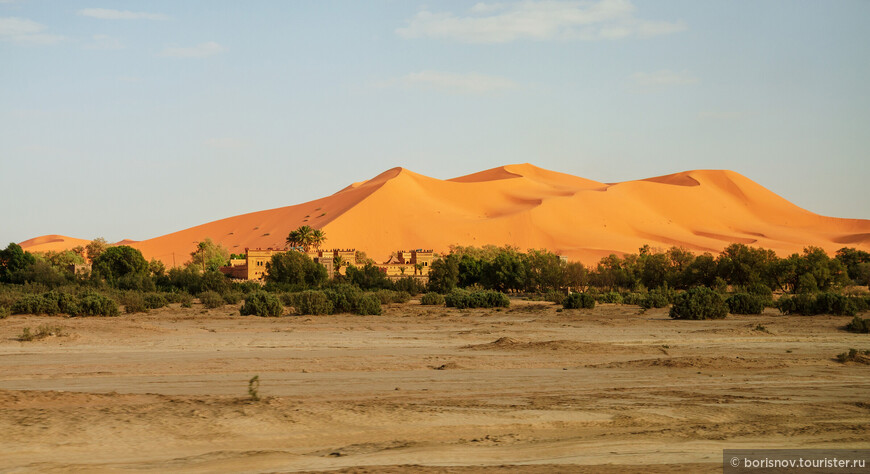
(155, 301)
(4, 312)
(211, 299)
(25, 335)
(432, 298)
(854, 355)
(254, 388)
(311, 302)
(579, 300)
(824, 303)
(859, 325)
(261, 303)
(134, 302)
(658, 298)
(96, 304)
(760, 328)
(745, 303)
(610, 297)
(699, 303)
(459, 298)
(186, 300)
(233, 297)
(368, 304)
(42, 332)
(633, 298)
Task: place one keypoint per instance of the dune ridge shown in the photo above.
(528, 207)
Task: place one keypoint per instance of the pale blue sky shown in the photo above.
(136, 119)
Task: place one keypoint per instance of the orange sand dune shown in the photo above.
(528, 207)
(53, 243)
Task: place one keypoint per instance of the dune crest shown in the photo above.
(528, 207)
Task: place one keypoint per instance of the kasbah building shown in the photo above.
(404, 263)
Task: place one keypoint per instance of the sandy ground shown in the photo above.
(425, 389)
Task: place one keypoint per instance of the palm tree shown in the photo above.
(300, 237)
(317, 238)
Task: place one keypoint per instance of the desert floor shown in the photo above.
(425, 389)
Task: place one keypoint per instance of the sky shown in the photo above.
(128, 119)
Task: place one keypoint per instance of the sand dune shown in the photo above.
(52, 242)
(529, 207)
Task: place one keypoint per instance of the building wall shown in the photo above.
(253, 267)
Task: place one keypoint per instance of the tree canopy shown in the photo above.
(306, 237)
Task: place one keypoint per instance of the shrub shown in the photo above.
(368, 304)
(390, 296)
(134, 302)
(410, 285)
(610, 297)
(461, 299)
(579, 300)
(832, 303)
(42, 332)
(853, 355)
(95, 304)
(211, 299)
(552, 296)
(401, 297)
(344, 298)
(699, 303)
(823, 303)
(186, 300)
(4, 312)
(35, 304)
(862, 303)
(633, 298)
(312, 302)
(233, 297)
(859, 325)
(658, 298)
(25, 335)
(155, 301)
(745, 303)
(432, 298)
(260, 303)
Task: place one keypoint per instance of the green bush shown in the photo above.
(610, 297)
(658, 298)
(832, 303)
(186, 300)
(745, 303)
(633, 298)
(233, 297)
(461, 299)
(862, 303)
(4, 312)
(368, 304)
(761, 290)
(432, 298)
(211, 299)
(823, 303)
(155, 300)
(95, 304)
(344, 298)
(859, 325)
(854, 355)
(312, 302)
(134, 302)
(66, 303)
(410, 285)
(557, 297)
(260, 303)
(35, 304)
(699, 303)
(579, 301)
(390, 296)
